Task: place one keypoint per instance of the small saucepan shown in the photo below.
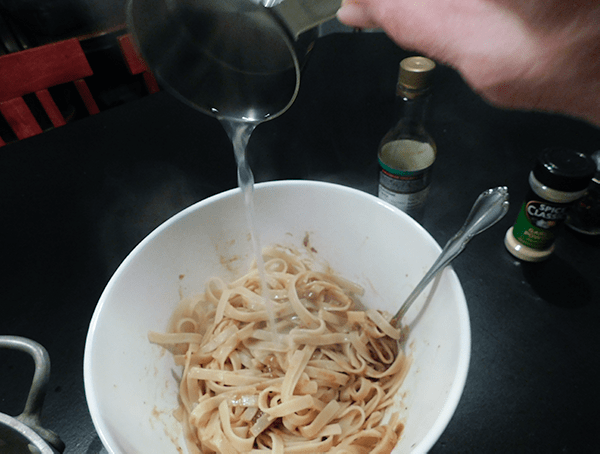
(24, 434)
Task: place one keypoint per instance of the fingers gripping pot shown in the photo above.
(24, 433)
(232, 59)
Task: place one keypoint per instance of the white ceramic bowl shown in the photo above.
(129, 383)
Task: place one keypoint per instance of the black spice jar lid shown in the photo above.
(564, 170)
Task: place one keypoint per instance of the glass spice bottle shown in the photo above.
(407, 152)
(584, 215)
(559, 178)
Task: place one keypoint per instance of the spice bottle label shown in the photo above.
(537, 222)
(404, 182)
(405, 202)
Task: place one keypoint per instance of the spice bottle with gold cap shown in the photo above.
(407, 152)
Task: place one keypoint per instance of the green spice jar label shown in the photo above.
(537, 222)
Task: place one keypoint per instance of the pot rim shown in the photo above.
(27, 432)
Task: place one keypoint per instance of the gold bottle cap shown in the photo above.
(415, 73)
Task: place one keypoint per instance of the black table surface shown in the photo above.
(77, 199)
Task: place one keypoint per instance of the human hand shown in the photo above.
(525, 54)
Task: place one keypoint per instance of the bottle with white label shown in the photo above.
(407, 152)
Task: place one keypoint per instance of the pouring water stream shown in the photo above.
(489, 208)
(239, 133)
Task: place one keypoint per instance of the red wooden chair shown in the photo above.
(136, 64)
(34, 71)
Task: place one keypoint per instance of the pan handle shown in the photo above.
(31, 415)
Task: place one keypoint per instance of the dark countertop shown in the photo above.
(77, 199)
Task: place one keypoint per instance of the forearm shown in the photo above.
(536, 54)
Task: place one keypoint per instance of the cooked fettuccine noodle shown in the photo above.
(320, 380)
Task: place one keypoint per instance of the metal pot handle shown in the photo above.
(31, 415)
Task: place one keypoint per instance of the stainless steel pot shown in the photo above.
(24, 434)
(232, 59)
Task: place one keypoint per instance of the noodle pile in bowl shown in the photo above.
(319, 380)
